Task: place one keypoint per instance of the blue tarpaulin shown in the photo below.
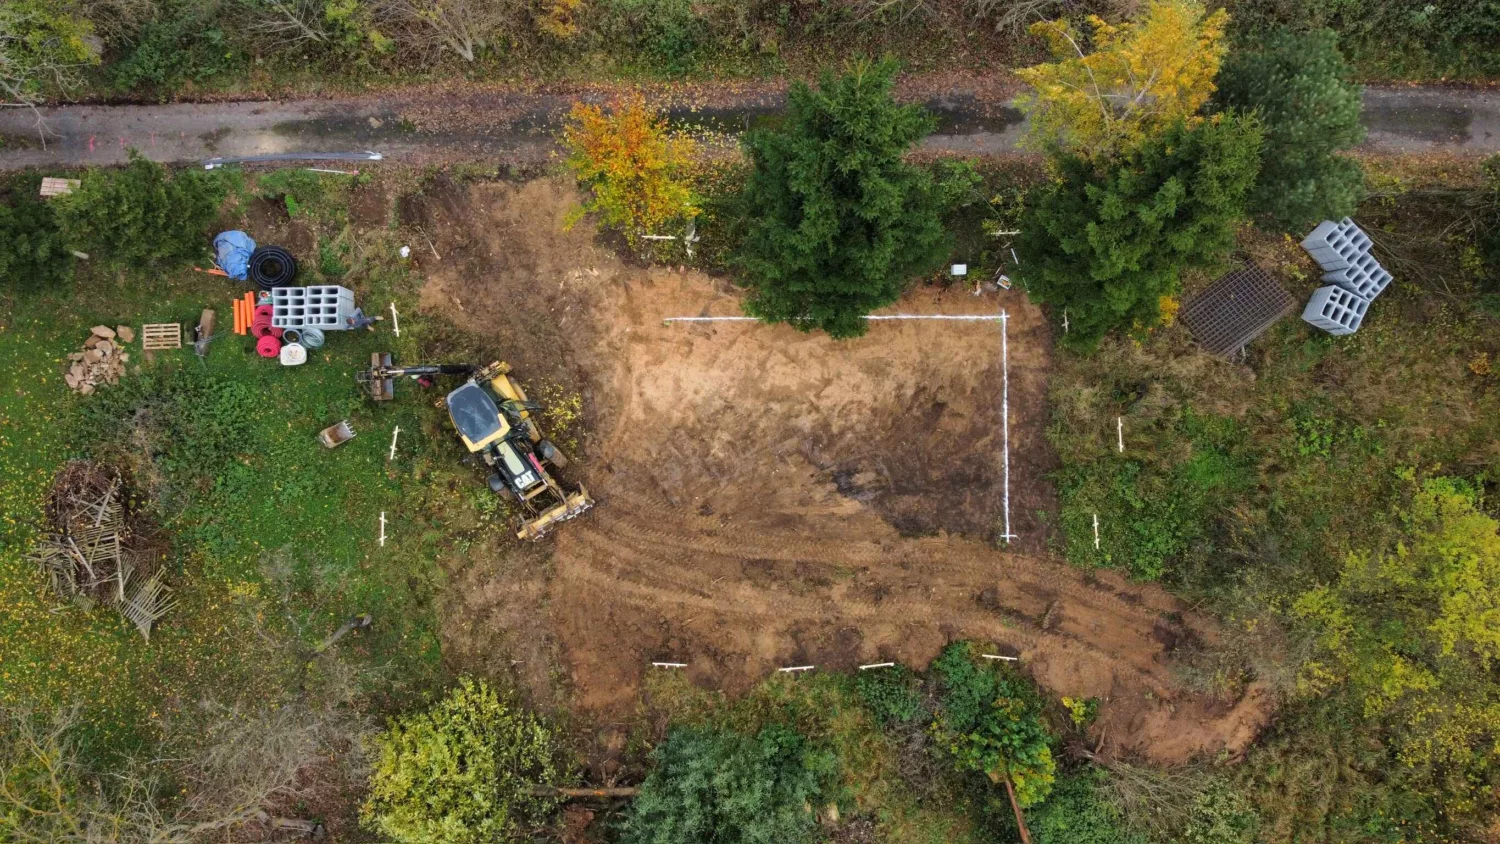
(233, 250)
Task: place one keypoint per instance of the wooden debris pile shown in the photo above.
(102, 360)
(88, 555)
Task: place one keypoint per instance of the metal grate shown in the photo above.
(1235, 310)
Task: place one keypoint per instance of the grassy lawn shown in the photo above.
(273, 539)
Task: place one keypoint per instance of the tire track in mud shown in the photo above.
(751, 480)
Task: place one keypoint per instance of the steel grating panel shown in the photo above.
(1235, 310)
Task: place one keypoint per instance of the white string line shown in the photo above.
(1005, 411)
(872, 317)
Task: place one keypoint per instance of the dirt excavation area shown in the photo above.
(768, 498)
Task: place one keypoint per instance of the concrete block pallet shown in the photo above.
(1336, 245)
(1335, 310)
(320, 306)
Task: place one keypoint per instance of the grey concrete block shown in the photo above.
(1364, 277)
(1336, 245)
(1335, 310)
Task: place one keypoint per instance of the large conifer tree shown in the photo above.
(837, 223)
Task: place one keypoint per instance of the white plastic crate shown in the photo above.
(1335, 310)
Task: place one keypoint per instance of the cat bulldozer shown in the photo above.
(495, 420)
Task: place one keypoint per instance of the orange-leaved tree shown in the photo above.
(1121, 84)
(635, 170)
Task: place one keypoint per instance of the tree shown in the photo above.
(231, 770)
(42, 47)
(461, 772)
(32, 255)
(1139, 79)
(1299, 85)
(466, 27)
(140, 213)
(1413, 630)
(837, 223)
(728, 788)
(989, 719)
(634, 169)
(1104, 243)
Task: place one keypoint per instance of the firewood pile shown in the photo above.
(89, 554)
(102, 359)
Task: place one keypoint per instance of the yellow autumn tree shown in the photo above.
(636, 172)
(1118, 84)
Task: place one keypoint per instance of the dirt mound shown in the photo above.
(769, 498)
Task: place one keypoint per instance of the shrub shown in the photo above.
(721, 786)
(1078, 811)
(664, 35)
(1156, 508)
(892, 694)
(635, 172)
(837, 222)
(1298, 85)
(459, 773)
(141, 214)
(1221, 815)
(1412, 628)
(990, 720)
(179, 47)
(1105, 243)
(32, 254)
(191, 424)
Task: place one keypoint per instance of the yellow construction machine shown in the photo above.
(494, 419)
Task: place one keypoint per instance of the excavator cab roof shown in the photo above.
(475, 415)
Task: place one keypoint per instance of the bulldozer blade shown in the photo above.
(572, 506)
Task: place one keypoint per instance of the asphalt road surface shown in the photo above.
(522, 127)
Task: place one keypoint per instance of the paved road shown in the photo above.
(521, 127)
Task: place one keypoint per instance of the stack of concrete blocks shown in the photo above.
(322, 306)
(1355, 277)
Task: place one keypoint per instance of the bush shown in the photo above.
(1298, 85)
(1156, 510)
(1105, 244)
(1079, 811)
(459, 773)
(32, 254)
(667, 34)
(893, 695)
(634, 170)
(990, 720)
(182, 46)
(721, 786)
(838, 223)
(190, 424)
(140, 214)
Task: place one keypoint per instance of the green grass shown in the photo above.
(269, 532)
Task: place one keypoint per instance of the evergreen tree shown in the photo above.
(1298, 82)
(721, 786)
(1107, 241)
(837, 223)
(32, 255)
(142, 214)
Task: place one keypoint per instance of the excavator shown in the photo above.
(494, 419)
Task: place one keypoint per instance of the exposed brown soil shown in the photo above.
(769, 498)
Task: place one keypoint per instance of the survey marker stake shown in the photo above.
(669, 665)
(382, 528)
(998, 656)
(395, 320)
(796, 668)
(876, 665)
(1096, 531)
(394, 434)
(1120, 432)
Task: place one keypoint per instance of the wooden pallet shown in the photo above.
(161, 335)
(58, 187)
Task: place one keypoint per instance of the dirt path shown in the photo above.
(975, 113)
(769, 498)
